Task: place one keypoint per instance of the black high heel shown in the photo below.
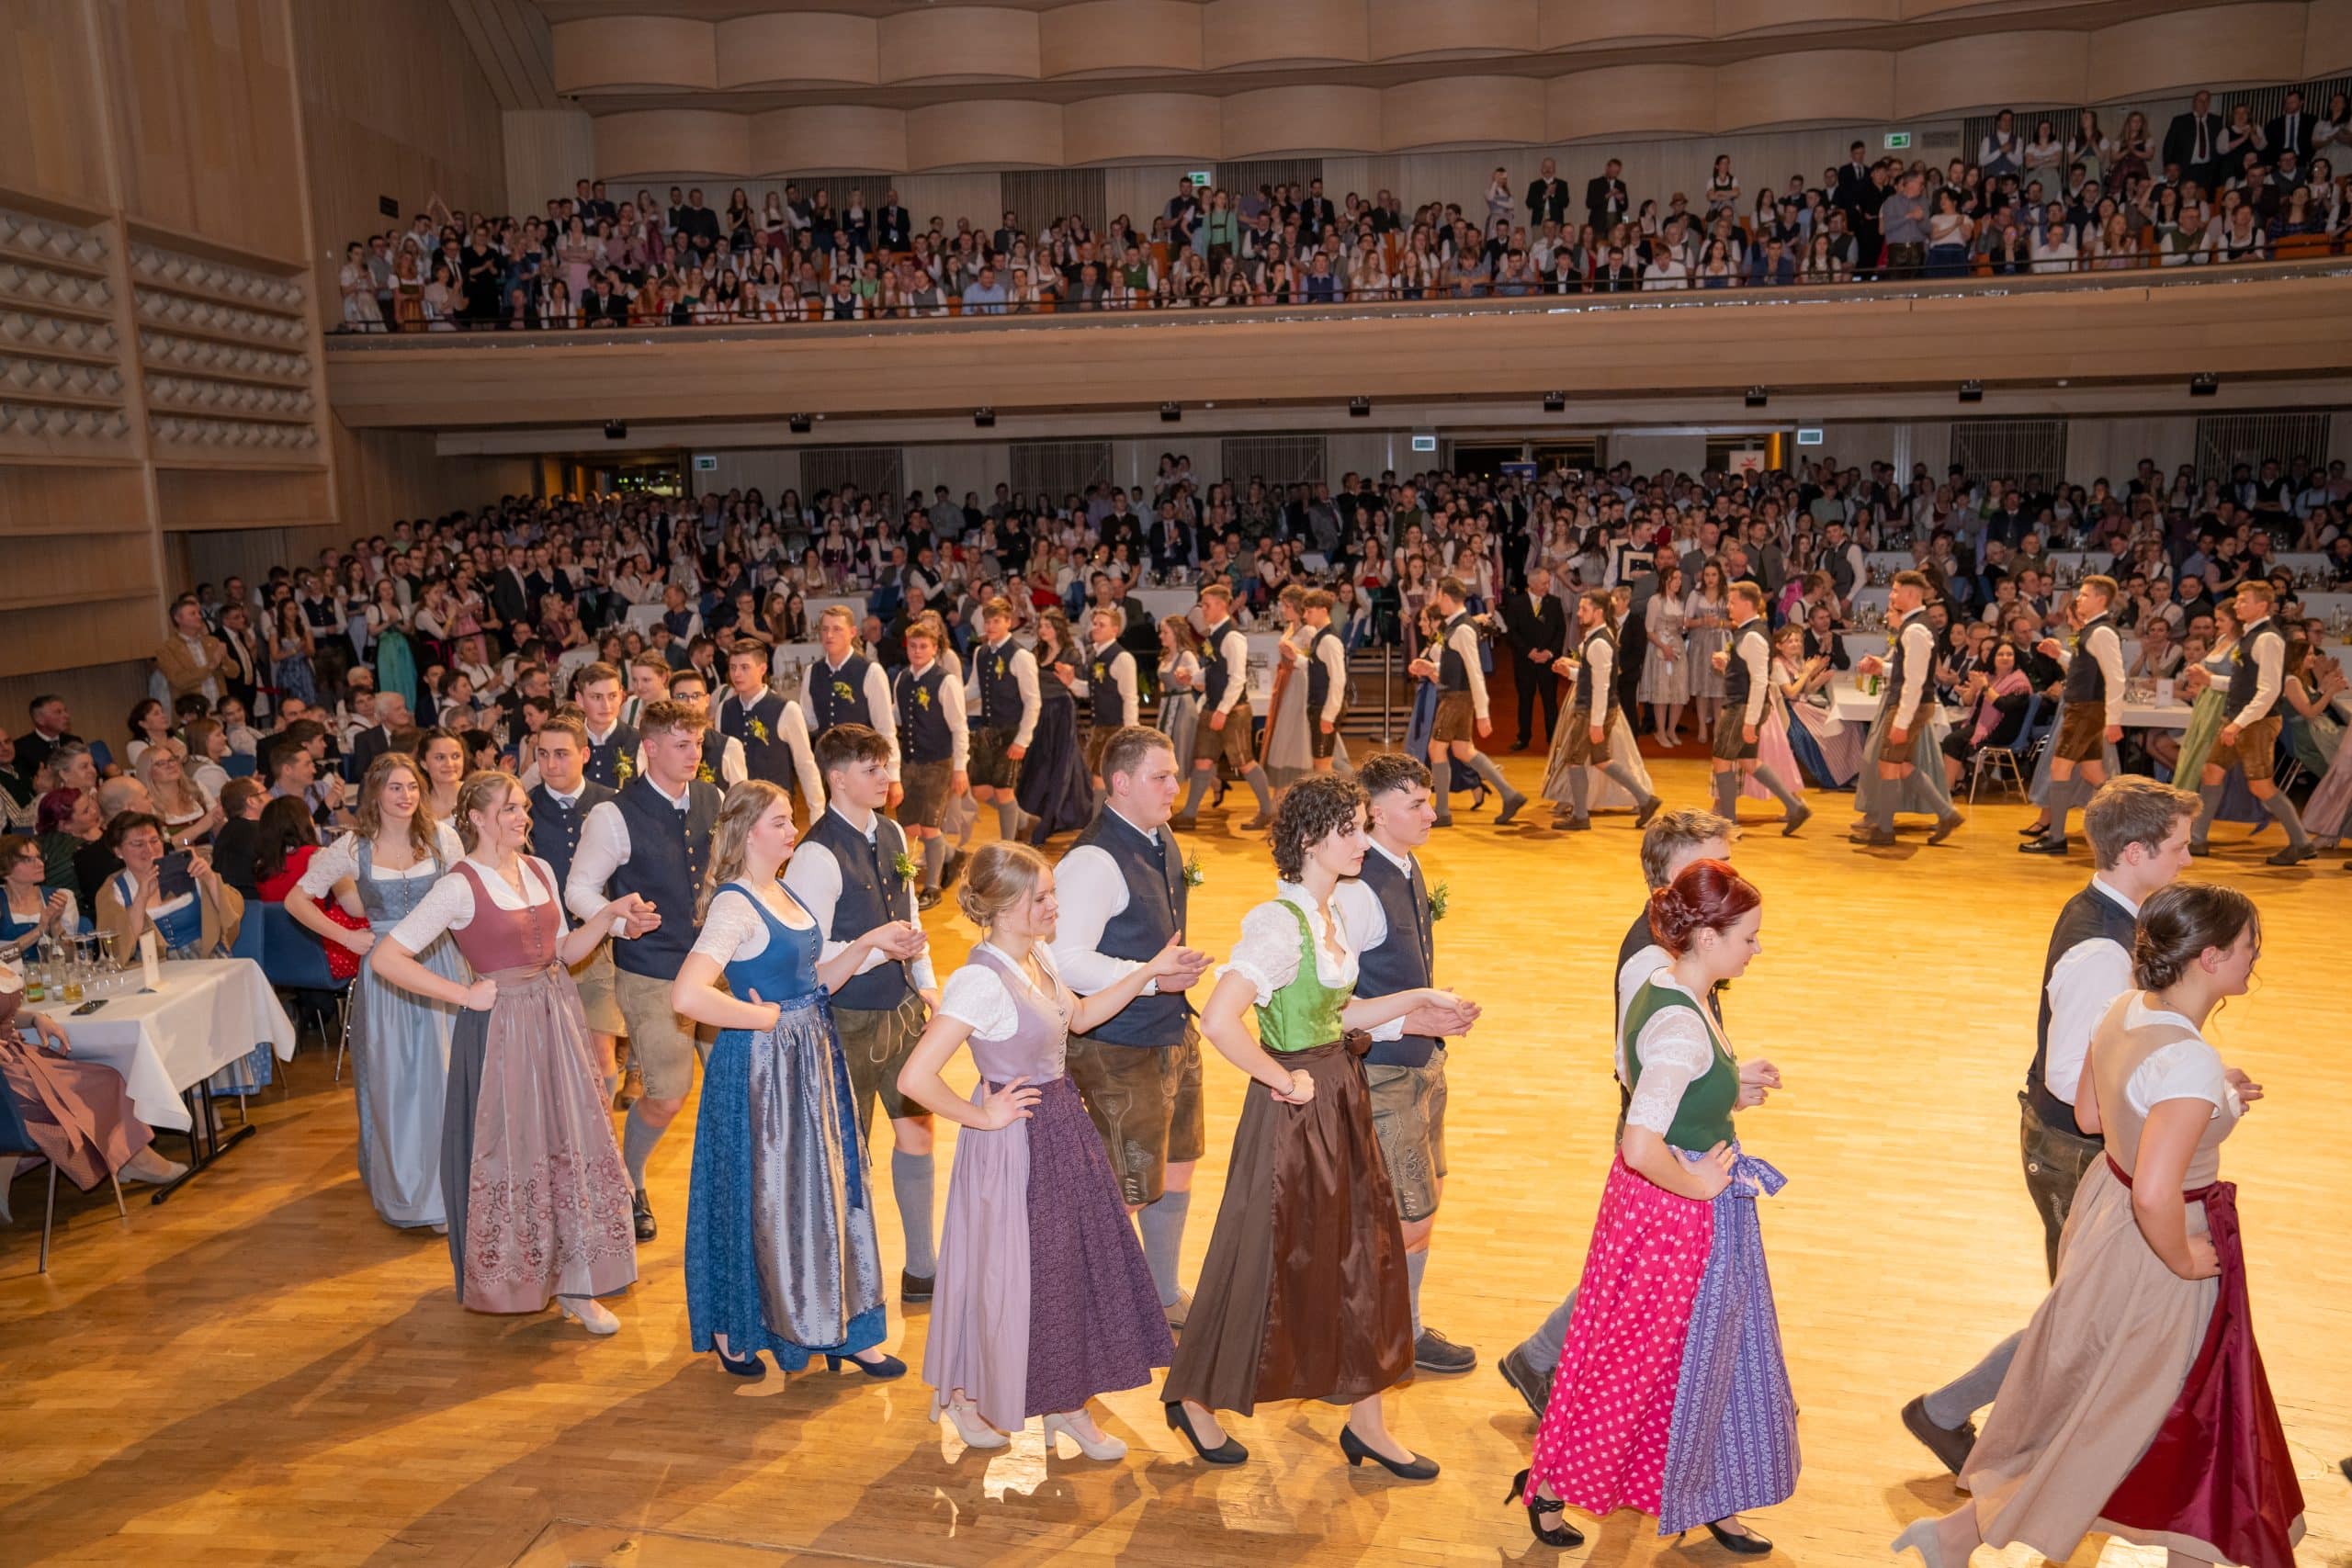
(749, 1367)
(1358, 1450)
(1750, 1545)
(885, 1368)
(1563, 1534)
(1226, 1452)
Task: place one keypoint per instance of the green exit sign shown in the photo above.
(1203, 179)
(1898, 140)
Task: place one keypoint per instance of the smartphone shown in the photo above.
(87, 1008)
(172, 878)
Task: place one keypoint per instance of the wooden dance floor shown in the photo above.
(259, 1371)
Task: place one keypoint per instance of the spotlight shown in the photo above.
(1971, 391)
(984, 418)
(615, 430)
(2204, 386)
(1554, 402)
(801, 424)
(1758, 397)
(1170, 413)
(1359, 407)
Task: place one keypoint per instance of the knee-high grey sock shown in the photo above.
(1579, 793)
(1007, 818)
(2278, 805)
(1779, 792)
(2211, 795)
(638, 1138)
(910, 1182)
(1256, 779)
(934, 856)
(1415, 1264)
(968, 822)
(2060, 803)
(1952, 1405)
(1623, 777)
(1162, 1224)
(1484, 766)
(1727, 795)
(1195, 787)
(1541, 1350)
(1442, 789)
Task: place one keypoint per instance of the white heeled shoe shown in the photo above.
(590, 1313)
(1105, 1448)
(969, 1424)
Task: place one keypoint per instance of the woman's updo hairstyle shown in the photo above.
(1002, 873)
(1311, 811)
(2179, 923)
(1706, 894)
(483, 792)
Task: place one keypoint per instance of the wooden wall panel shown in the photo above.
(393, 104)
(383, 476)
(36, 500)
(546, 151)
(51, 140)
(208, 128)
(99, 697)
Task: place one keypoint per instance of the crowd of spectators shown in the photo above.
(2060, 198)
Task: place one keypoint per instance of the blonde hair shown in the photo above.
(491, 785)
(369, 818)
(745, 804)
(191, 793)
(1002, 873)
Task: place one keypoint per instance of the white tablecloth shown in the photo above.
(645, 617)
(2327, 606)
(2080, 561)
(208, 1012)
(1162, 603)
(1849, 704)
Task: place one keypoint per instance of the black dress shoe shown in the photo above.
(913, 1288)
(749, 1367)
(1417, 1467)
(1749, 1545)
(884, 1369)
(1561, 1534)
(2056, 847)
(642, 1210)
(1531, 1385)
(1951, 1444)
(1433, 1353)
(952, 868)
(1226, 1452)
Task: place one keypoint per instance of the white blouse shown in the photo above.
(1269, 946)
(2186, 1070)
(341, 859)
(1675, 1048)
(449, 905)
(977, 995)
(734, 930)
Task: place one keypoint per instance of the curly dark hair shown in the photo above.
(1312, 810)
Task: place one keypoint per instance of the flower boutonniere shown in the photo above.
(905, 865)
(1194, 874)
(703, 773)
(923, 697)
(841, 692)
(1439, 897)
(759, 729)
(623, 769)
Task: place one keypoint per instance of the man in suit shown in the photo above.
(1316, 214)
(1547, 197)
(1537, 629)
(2192, 143)
(373, 740)
(2290, 132)
(1604, 197)
(1853, 178)
(893, 225)
(510, 594)
(603, 305)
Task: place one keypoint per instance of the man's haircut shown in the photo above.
(2132, 809)
(846, 745)
(661, 716)
(1385, 771)
(1671, 834)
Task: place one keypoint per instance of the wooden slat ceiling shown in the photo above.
(510, 39)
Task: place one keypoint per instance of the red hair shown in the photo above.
(1706, 894)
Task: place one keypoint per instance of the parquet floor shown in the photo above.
(259, 1373)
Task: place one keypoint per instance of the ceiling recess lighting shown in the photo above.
(615, 430)
(2204, 386)
(1971, 391)
(1359, 407)
(1170, 413)
(1554, 402)
(801, 425)
(984, 418)
(1758, 397)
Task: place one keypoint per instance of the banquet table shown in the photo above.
(1853, 705)
(2080, 561)
(206, 1014)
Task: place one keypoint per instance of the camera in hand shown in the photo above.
(172, 878)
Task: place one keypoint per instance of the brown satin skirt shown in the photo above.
(1303, 1295)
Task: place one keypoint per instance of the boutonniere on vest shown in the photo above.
(905, 865)
(703, 774)
(1194, 874)
(759, 729)
(1439, 897)
(923, 697)
(623, 769)
(841, 692)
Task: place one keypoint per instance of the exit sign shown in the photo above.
(705, 462)
(1898, 140)
(1202, 179)
(1424, 443)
